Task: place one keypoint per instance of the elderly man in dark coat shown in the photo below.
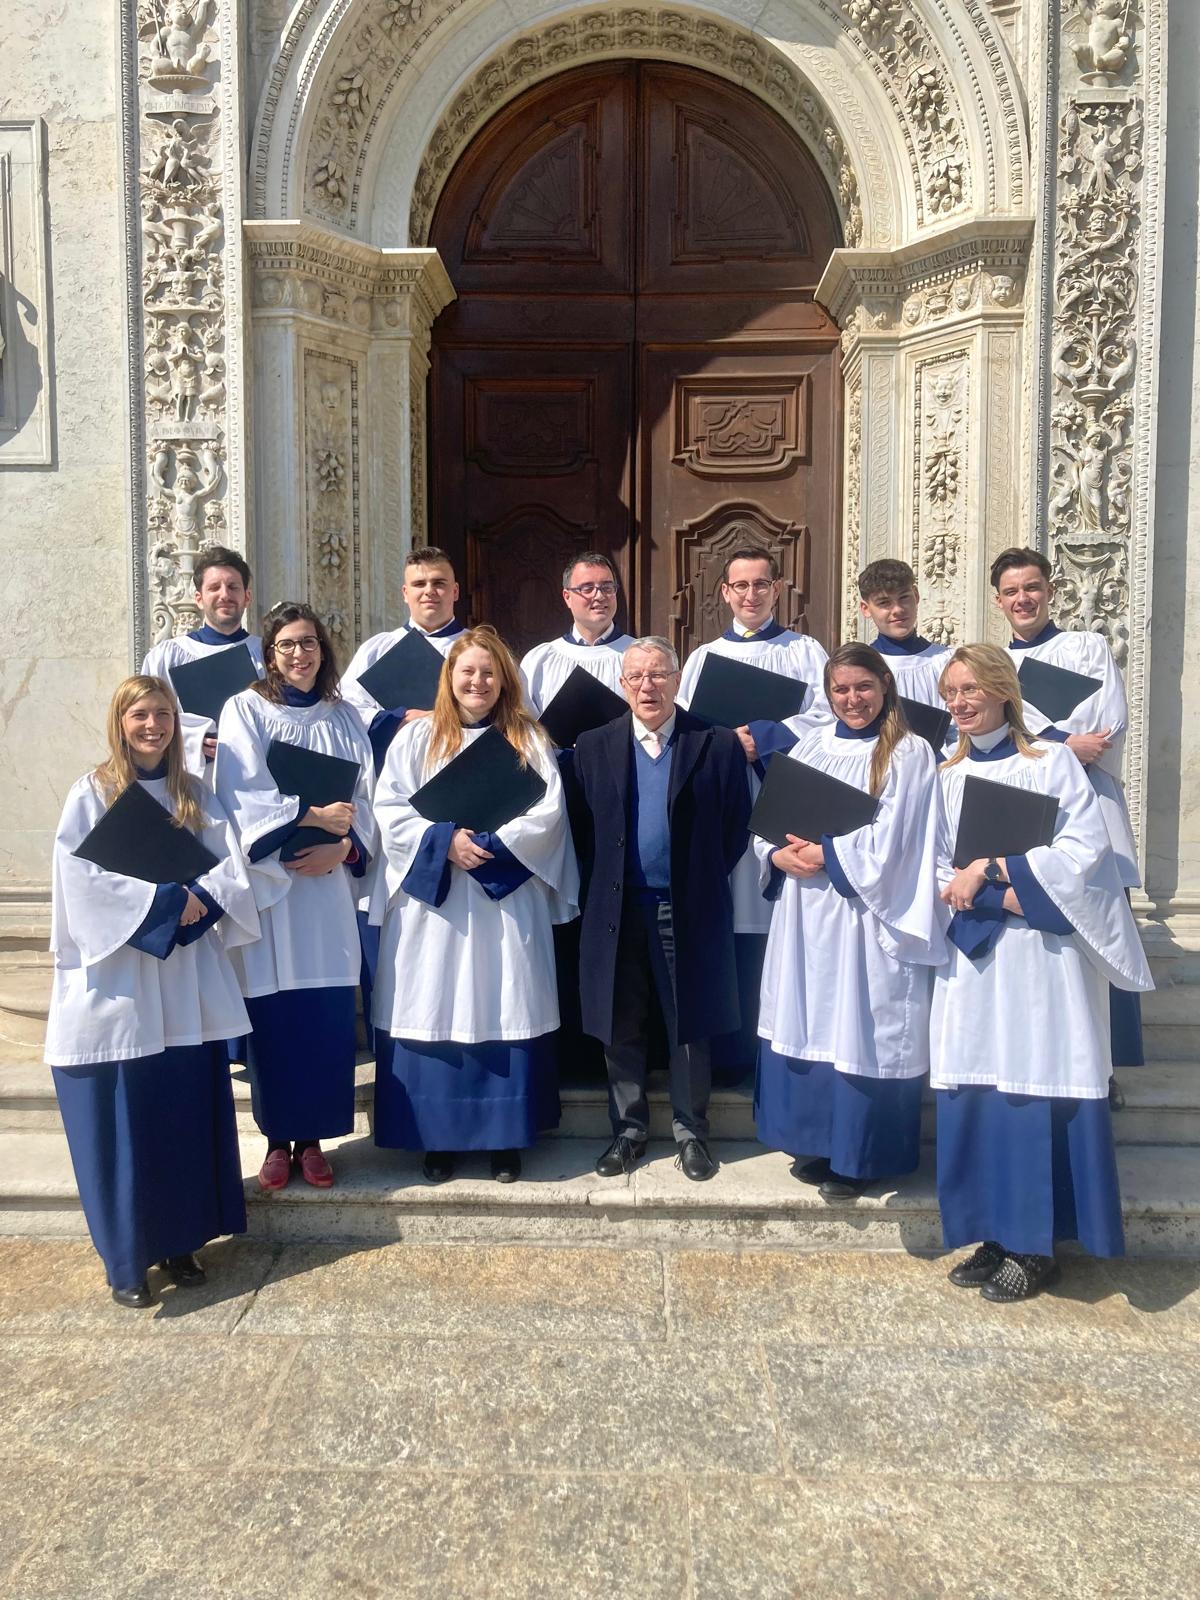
(664, 807)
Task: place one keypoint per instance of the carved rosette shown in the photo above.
(177, 91)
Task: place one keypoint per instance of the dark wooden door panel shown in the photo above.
(635, 362)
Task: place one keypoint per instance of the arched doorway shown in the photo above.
(635, 362)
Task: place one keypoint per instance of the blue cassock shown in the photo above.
(708, 808)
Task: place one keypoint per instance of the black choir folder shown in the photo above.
(204, 685)
(407, 676)
(929, 722)
(1054, 691)
(136, 838)
(998, 819)
(317, 780)
(484, 787)
(581, 704)
(732, 693)
(799, 799)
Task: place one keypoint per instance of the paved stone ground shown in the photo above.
(543, 1422)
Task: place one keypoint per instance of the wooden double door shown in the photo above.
(635, 362)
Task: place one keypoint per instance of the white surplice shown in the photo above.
(160, 658)
(111, 1002)
(848, 980)
(309, 932)
(792, 655)
(546, 667)
(1107, 707)
(473, 968)
(1031, 1017)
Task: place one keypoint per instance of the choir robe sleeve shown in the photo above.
(250, 800)
(401, 828)
(1107, 708)
(228, 884)
(1078, 874)
(93, 912)
(891, 864)
(540, 839)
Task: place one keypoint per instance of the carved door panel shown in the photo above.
(536, 446)
(738, 448)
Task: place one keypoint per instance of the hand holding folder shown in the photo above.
(730, 694)
(137, 838)
(803, 801)
(407, 676)
(484, 786)
(998, 819)
(1052, 690)
(203, 686)
(317, 780)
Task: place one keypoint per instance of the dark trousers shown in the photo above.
(646, 972)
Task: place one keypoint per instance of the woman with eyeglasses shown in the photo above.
(855, 933)
(144, 998)
(1020, 1053)
(465, 997)
(299, 979)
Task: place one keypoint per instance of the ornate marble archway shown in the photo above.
(998, 207)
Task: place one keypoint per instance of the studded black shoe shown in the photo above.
(978, 1268)
(1020, 1278)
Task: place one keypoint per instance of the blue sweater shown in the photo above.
(648, 851)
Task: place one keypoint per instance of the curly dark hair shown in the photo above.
(328, 673)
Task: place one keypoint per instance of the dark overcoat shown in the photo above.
(708, 807)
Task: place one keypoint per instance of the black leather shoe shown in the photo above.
(622, 1155)
(817, 1171)
(136, 1299)
(1116, 1096)
(696, 1161)
(1020, 1278)
(185, 1271)
(506, 1165)
(977, 1268)
(837, 1187)
(438, 1165)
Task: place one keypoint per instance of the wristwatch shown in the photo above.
(992, 872)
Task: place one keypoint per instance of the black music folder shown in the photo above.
(581, 704)
(733, 693)
(317, 780)
(1054, 691)
(484, 787)
(407, 675)
(137, 838)
(930, 722)
(998, 819)
(796, 798)
(203, 686)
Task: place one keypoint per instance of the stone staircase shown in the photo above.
(752, 1200)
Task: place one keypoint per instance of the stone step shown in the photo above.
(753, 1200)
(1162, 1105)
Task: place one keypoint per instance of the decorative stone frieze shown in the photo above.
(181, 140)
(931, 344)
(346, 328)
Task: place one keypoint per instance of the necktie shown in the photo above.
(653, 745)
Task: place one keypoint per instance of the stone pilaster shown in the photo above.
(341, 334)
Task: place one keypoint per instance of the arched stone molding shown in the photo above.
(919, 94)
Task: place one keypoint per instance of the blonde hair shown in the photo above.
(994, 672)
(113, 776)
(509, 716)
(893, 724)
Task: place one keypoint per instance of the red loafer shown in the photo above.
(314, 1168)
(276, 1170)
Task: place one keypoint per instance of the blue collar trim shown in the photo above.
(606, 637)
(300, 697)
(1048, 632)
(998, 752)
(207, 635)
(446, 631)
(842, 731)
(154, 774)
(912, 646)
(769, 630)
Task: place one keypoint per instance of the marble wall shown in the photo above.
(63, 560)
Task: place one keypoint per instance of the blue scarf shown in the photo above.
(842, 730)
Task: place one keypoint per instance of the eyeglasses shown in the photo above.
(288, 647)
(590, 590)
(745, 586)
(633, 679)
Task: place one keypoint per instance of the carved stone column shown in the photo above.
(341, 334)
(931, 335)
(181, 140)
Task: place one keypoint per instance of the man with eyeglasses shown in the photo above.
(661, 825)
(221, 580)
(592, 641)
(430, 593)
(750, 587)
